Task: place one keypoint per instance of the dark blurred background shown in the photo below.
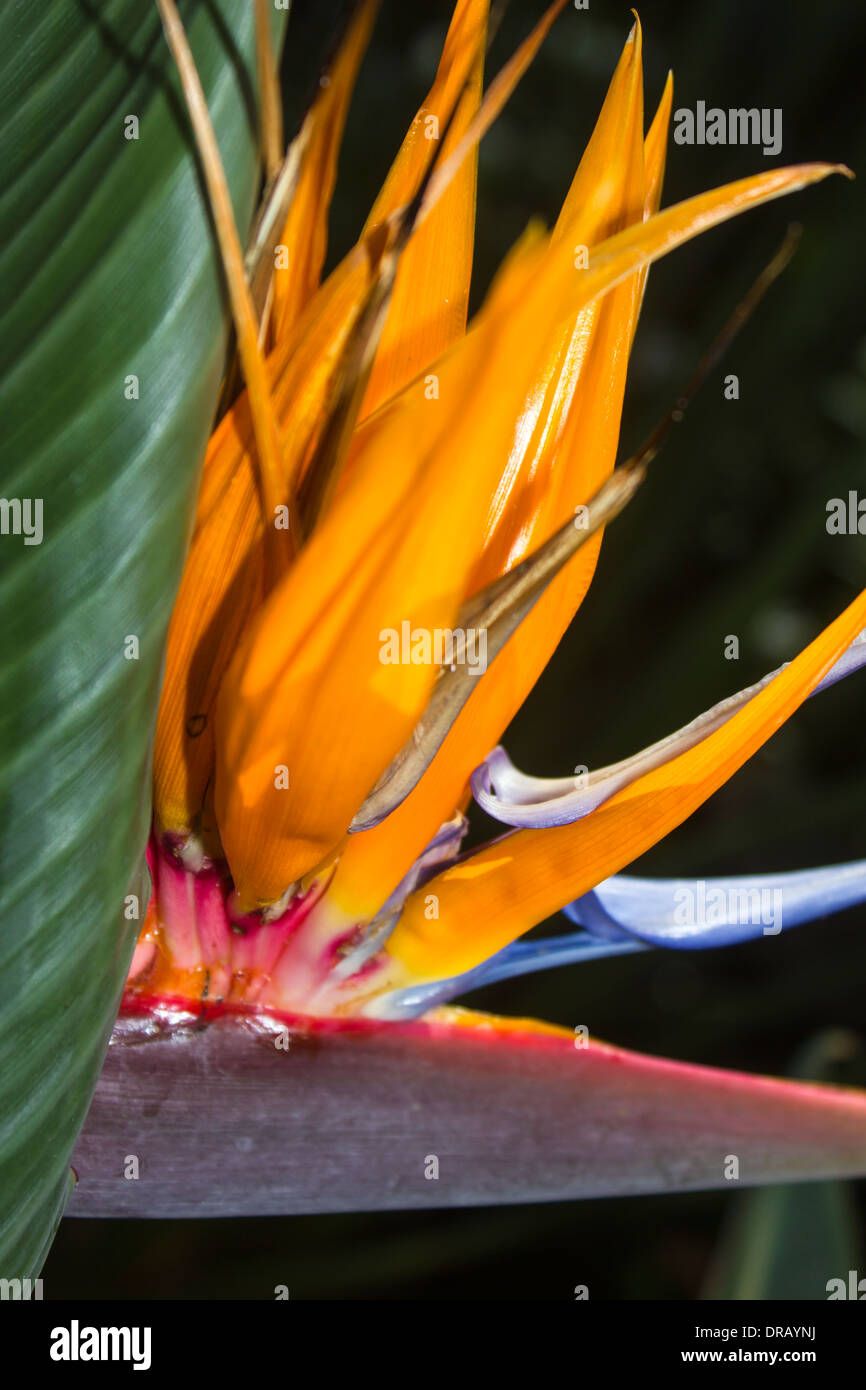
(727, 537)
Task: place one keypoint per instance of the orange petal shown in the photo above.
(305, 235)
(562, 452)
(221, 580)
(558, 454)
(206, 626)
(396, 547)
(372, 867)
(445, 261)
(496, 895)
(655, 148)
(224, 578)
(431, 294)
(309, 690)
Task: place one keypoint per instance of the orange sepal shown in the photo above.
(494, 896)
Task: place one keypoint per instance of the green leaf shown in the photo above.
(110, 272)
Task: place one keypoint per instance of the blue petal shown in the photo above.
(520, 958)
(625, 914)
(694, 914)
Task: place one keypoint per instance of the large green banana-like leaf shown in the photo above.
(110, 274)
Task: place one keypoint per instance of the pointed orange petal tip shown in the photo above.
(498, 893)
(430, 300)
(304, 236)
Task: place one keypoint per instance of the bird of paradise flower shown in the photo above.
(388, 481)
